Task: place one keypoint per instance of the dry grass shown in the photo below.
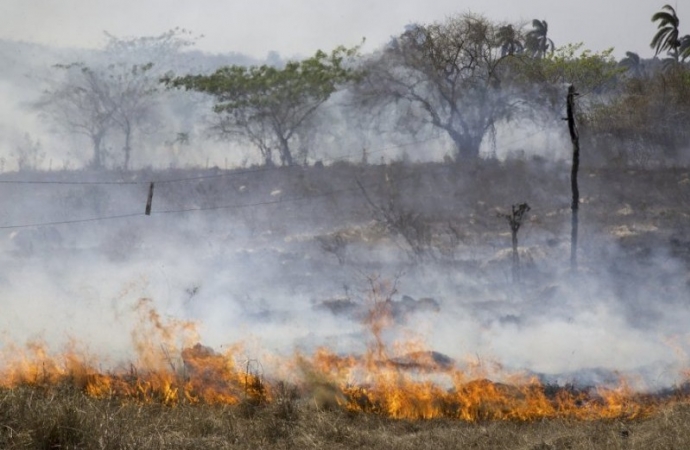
(65, 418)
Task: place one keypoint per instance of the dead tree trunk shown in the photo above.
(575, 138)
(128, 143)
(515, 219)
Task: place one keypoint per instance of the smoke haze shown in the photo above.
(253, 256)
(304, 26)
(258, 276)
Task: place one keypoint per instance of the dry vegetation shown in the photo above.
(639, 210)
(67, 419)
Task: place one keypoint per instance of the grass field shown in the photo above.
(64, 418)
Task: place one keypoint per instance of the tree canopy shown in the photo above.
(269, 105)
(463, 79)
(591, 72)
(445, 75)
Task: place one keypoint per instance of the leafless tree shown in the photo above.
(446, 75)
(81, 103)
(335, 243)
(115, 96)
(95, 102)
(399, 221)
(134, 103)
(515, 219)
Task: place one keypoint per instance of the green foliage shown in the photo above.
(543, 79)
(268, 105)
(588, 71)
(650, 112)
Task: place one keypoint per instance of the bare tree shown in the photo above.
(335, 243)
(134, 101)
(95, 102)
(445, 75)
(80, 103)
(515, 220)
(116, 95)
(399, 221)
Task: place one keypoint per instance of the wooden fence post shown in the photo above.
(149, 200)
(575, 138)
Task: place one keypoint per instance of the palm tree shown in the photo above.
(667, 36)
(632, 63)
(684, 48)
(509, 40)
(538, 42)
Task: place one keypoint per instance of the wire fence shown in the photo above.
(233, 173)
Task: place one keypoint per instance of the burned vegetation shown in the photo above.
(404, 252)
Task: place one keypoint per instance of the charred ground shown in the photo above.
(307, 234)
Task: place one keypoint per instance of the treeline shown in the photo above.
(463, 79)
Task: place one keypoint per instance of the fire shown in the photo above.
(405, 381)
(421, 384)
(167, 370)
(388, 389)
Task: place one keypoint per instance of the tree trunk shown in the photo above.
(128, 146)
(516, 255)
(466, 146)
(285, 155)
(515, 218)
(97, 161)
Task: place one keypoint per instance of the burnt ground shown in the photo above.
(271, 247)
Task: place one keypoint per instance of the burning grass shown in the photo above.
(422, 385)
(211, 402)
(359, 384)
(181, 394)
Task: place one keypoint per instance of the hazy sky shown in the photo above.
(299, 27)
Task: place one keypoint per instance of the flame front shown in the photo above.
(422, 384)
(167, 370)
(417, 384)
(424, 392)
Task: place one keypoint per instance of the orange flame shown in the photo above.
(198, 375)
(400, 392)
(170, 368)
(423, 385)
